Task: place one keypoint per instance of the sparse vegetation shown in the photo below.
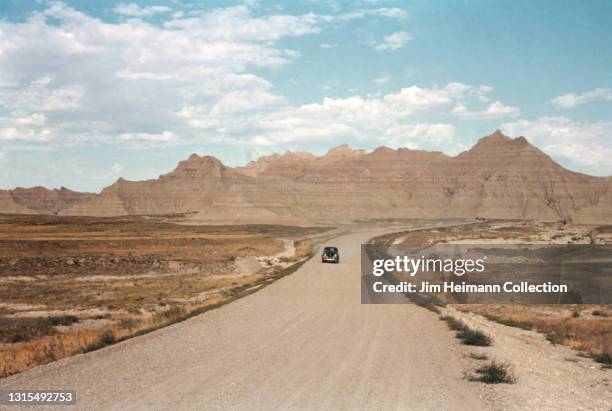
(479, 357)
(106, 338)
(467, 335)
(471, 336)
(21, 329)
(566, 324)
(592, 334)
(453, 323)
(599, 313)
(509, 321)
(604, 358)
(126, 276)
(494, 373)
(169, 314)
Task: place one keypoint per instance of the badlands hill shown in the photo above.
(40, 200)
(499, 177)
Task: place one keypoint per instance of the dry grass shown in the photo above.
(16, 358)
(587, 332)
(477, 231)
(15, 329)
(467, 335)
(583, 327)
(74, 284)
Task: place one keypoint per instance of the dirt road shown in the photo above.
(304, 342)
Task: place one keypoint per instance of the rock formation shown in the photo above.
(40, 200)
(499, 177)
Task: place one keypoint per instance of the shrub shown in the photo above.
(170, 314)
(495, 373)
(599, 313)
(510, 322)
(14, 330)
(106, 338)
(129, 323)
(453, 323)
(604, 358)
(468, 336)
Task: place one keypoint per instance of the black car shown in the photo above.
(330, 255)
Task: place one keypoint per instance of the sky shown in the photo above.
(91, 91)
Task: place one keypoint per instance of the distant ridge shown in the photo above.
(499, 177)
(40, 200)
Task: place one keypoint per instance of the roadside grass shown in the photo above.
(453, 323)
(599, 313)
(604, 358)
(467, 335)
(511, 322)
(586, 328)
(494, 373)
(590, 333)
(42, 349)
(481, 230)
(22, 329)
(470, 336)
(123, 276)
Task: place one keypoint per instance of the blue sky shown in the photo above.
(94, 90)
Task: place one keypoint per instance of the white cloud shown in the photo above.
(74, 79)
(572, 100)
(389, 12)
(116, 168)
(394, 41)
(237, 24)
(24, 128)
(421, 135)
(381, 80)
(35, 119)
(393, 12)
(134, 10)
(93, 80)
(494, 110)
(375, 120)
(482, 93)
(576, 144)
(164, 136)
(378, 120)
(24, 134)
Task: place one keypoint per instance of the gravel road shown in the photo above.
(304, 342)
